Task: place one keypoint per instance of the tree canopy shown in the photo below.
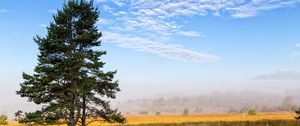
(68, 81)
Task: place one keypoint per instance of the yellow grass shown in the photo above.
(208, 118)
(198, 118)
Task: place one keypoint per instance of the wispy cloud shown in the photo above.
(117, 2)
(103, 21)
(101, 1)
(107, 8)
(170, 51)
(256, 7)
(155, 17)
(3, 11)
(279, 75)
(160, 20)
(190, 33)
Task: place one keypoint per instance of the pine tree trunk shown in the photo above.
(71, 119)
(72, 112)
(83, 118)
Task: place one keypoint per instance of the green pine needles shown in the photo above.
(68, 81)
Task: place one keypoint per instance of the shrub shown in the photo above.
(252, 112)
(18, 115)
(143, 112)
(3, 120)
(157, 113)
(232, 110)
(185, 112)
(32, 118)
(298, 114)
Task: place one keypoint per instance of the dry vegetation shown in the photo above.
(272, 119)
(208, 118)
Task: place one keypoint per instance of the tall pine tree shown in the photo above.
(68, 80)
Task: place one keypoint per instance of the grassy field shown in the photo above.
(209, 118)
(261, 119)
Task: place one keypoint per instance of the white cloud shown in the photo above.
(256, 7)
(101, 1)
(116, 2)
(160, 20)
(107, 8)
(156, 16)
(3, 11)
(169, 8)
(189, 33)
(279, 75)
(119, 2)
(170, 51)
(103, 21)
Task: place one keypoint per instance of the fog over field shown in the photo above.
(171, 97)
(203, 56)
(215, 102)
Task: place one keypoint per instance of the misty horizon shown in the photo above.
(210, 57)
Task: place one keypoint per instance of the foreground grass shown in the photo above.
(133, 120)
(231, 123)
(261, 119)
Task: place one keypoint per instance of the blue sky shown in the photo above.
(170, 46)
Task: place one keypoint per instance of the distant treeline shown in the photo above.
(217, 102)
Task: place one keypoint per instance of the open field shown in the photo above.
(208, 118)
(261, 119)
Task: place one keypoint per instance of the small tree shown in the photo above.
(298, 114)
(252, 112)
(185, 112)
(18, 115)
(3, 120)
(143, 112)
(232, 110)
(157, 113)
